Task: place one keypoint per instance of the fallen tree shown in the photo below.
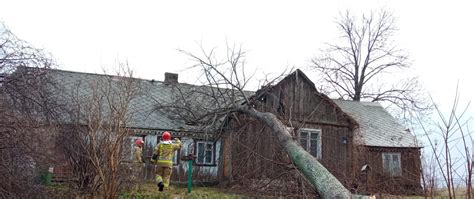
(320, 178)
(224, 82)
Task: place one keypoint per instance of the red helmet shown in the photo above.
(139, 142)
(166, 136)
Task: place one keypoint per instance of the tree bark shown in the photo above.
(320, 178)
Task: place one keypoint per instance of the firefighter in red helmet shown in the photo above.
(164, 159)
(137, 153)
(137, 164)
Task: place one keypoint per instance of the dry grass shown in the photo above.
(150, 191)
(460, 193)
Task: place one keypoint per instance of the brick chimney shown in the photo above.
(171, 78)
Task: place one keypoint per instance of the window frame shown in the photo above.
(177, 157)
(311, 131)
(391, 171)
(196, 153)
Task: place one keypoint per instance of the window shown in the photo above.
(310, 140)
(392, 164)
(205, 152)
(176, 157)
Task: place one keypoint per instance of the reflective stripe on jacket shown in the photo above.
(165, 151)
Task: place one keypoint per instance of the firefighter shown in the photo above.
(164, 153)
(137, 164)
(138, 152)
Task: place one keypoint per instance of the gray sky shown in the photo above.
(88, 35)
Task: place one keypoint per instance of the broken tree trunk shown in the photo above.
(320, 178)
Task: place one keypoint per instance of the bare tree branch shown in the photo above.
(364, 55)
(27, 113)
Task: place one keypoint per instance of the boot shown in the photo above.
(160, 186)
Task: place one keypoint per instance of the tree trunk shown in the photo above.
(357, 93)
(320, 178)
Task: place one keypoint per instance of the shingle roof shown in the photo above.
(143, 105)
(377, 126)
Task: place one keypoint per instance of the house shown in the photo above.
(148, 122)
(347, 137)
(360, 143)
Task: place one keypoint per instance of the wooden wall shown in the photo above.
(255, 152)
(296, 99)
(378, 181)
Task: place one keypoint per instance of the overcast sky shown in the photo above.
(87, 36)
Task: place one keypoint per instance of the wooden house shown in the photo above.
(148, 122)
(346, 137)
(360, 143)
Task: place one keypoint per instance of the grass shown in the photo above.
(150, 191)
(442, 193)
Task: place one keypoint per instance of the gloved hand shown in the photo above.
(154, 158)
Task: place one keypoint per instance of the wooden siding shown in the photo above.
(253, 151)
(254, 158)
(296, 100)
(378, 181)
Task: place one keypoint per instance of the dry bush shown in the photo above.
(26, 116)
(96, 141)
(449, 154)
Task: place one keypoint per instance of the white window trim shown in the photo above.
(176, 154)
(176, 157)
(391, 172)
(212, 152)
(312, 131)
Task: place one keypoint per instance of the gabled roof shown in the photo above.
(377, 126)
(295, 76)
(146, 117)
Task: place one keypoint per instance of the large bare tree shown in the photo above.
(367, 65)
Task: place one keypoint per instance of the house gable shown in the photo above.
(295, 98)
